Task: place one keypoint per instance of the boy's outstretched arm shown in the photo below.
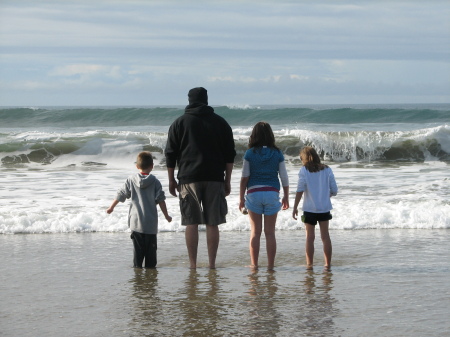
(111, 208)
(162, 205)
(298, 197)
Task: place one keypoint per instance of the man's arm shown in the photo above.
(228, 170)
(172, 182)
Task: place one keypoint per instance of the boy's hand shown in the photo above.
(169, 218)
(111, 208)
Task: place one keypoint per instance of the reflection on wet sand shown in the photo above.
(147, 312)
(201, 306)
(261, 317)
(207, 303)
(316, 312)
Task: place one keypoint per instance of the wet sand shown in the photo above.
(382, 283)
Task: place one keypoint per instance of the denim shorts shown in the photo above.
(264, 202)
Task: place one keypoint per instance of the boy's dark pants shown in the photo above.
(144, 247)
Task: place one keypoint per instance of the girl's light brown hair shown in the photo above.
(262, 135)
(311, 159)
(144, 160)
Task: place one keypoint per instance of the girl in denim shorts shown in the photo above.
(263, 166)
(317, 184)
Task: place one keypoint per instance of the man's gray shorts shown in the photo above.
(203, 202)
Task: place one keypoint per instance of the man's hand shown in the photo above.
(173, 185)
(227, 188)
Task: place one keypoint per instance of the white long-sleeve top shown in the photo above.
(317, 188)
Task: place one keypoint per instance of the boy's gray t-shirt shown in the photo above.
(145, 192)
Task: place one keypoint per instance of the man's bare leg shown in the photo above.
(192, 244)
(212, 240)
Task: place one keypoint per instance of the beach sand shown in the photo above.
(382, 283)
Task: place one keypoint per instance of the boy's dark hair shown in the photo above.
(144, 160)
(262, 135)
(311, 159)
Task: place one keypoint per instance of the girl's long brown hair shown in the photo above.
(311, 159)
(262, 135)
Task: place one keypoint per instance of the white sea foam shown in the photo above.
(75, 200)
(242, 107)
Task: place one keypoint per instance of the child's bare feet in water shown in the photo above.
(326, 268)
(309, 267)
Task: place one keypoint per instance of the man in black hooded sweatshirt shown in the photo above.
(201, 144)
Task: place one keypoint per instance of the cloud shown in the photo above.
(87, 74)
(298, 77)
(263, 50)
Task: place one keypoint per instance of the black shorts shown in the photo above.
(313, 218)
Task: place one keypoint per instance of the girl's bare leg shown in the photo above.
(327, 247)
(271, 242)
(309, 247)
(255, 237)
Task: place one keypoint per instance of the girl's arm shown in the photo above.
(333, 185)
(285, 200)
(298, 197)
(285, 183)
(244, 181)
(242, 189)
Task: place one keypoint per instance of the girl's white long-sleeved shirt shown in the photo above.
(317, 188)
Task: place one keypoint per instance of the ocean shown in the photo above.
(60, 167)
(66, 264)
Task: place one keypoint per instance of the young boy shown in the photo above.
(317, 184)
(145, 191)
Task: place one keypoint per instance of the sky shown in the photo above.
(136, 52)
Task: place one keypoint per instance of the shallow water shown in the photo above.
(369, 197)
(383, 283)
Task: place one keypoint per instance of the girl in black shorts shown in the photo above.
(316, 184)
